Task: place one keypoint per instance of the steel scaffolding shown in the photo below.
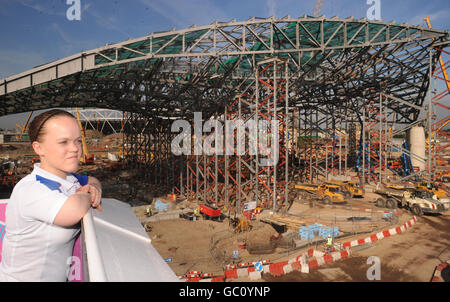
(435, 146)
(338, 88)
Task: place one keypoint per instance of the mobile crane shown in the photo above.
(85, 158)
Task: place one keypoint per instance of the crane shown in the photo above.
(24, 127)
(318, 8)
(85, 159)
(444, 71)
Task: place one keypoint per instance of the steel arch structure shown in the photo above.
(92, 118)
(338, 72)
(202, 67)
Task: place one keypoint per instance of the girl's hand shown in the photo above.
(95, 194)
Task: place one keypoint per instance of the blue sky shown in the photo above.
(37, 32)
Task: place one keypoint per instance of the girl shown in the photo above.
(46, 206)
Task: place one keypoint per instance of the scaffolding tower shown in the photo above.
(338, 89)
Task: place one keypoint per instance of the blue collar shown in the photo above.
(65, 182)
(51, 184)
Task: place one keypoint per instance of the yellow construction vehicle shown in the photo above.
(444, 177)
(325, 193)
(398, 187)
(432, 188)
(418, 201)
(353, 188)
(240, 225)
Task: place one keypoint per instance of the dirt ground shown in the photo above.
(188, 243)
(411, 256)
(408, 257)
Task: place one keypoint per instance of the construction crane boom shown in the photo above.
(318, 8)
(444, 71)
(85, 158)
(25, 126)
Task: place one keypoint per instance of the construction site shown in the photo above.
(355, 162)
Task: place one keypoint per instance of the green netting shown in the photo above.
(335, 32)
(285, 37)
(193, 36)
(170, 47)
(377, 33)
(395, 31)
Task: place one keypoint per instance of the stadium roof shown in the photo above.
(201, 68)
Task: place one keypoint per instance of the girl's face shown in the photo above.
(60, 146)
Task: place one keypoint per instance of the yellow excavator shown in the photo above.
(325, 193)
(433, 189)
(240, 225)
(353, 187)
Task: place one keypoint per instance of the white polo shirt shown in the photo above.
(34, 249)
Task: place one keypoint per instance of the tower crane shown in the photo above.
(85, 159)
(318, 8)
(23, 128)
(444, 71)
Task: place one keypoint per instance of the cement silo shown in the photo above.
(416, 144)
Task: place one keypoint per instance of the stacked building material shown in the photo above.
(161, 206)
(309, 232)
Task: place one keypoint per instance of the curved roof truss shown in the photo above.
(332, 62)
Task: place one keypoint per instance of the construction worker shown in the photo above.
(148, 212)
(329, 243)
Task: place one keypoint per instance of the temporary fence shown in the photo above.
(305, 262)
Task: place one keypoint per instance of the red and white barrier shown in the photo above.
(215, 279)
(304, 262)
(437, 277)
(299, 263)
(381, 235)
(254, 275)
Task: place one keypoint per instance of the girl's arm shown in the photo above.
(73, 209)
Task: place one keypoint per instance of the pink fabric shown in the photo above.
(77, 249)
(78, 252)
(2, 218)
(2, 211)
(1, 245)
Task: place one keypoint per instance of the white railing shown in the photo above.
(94, 263)
(117, 248)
